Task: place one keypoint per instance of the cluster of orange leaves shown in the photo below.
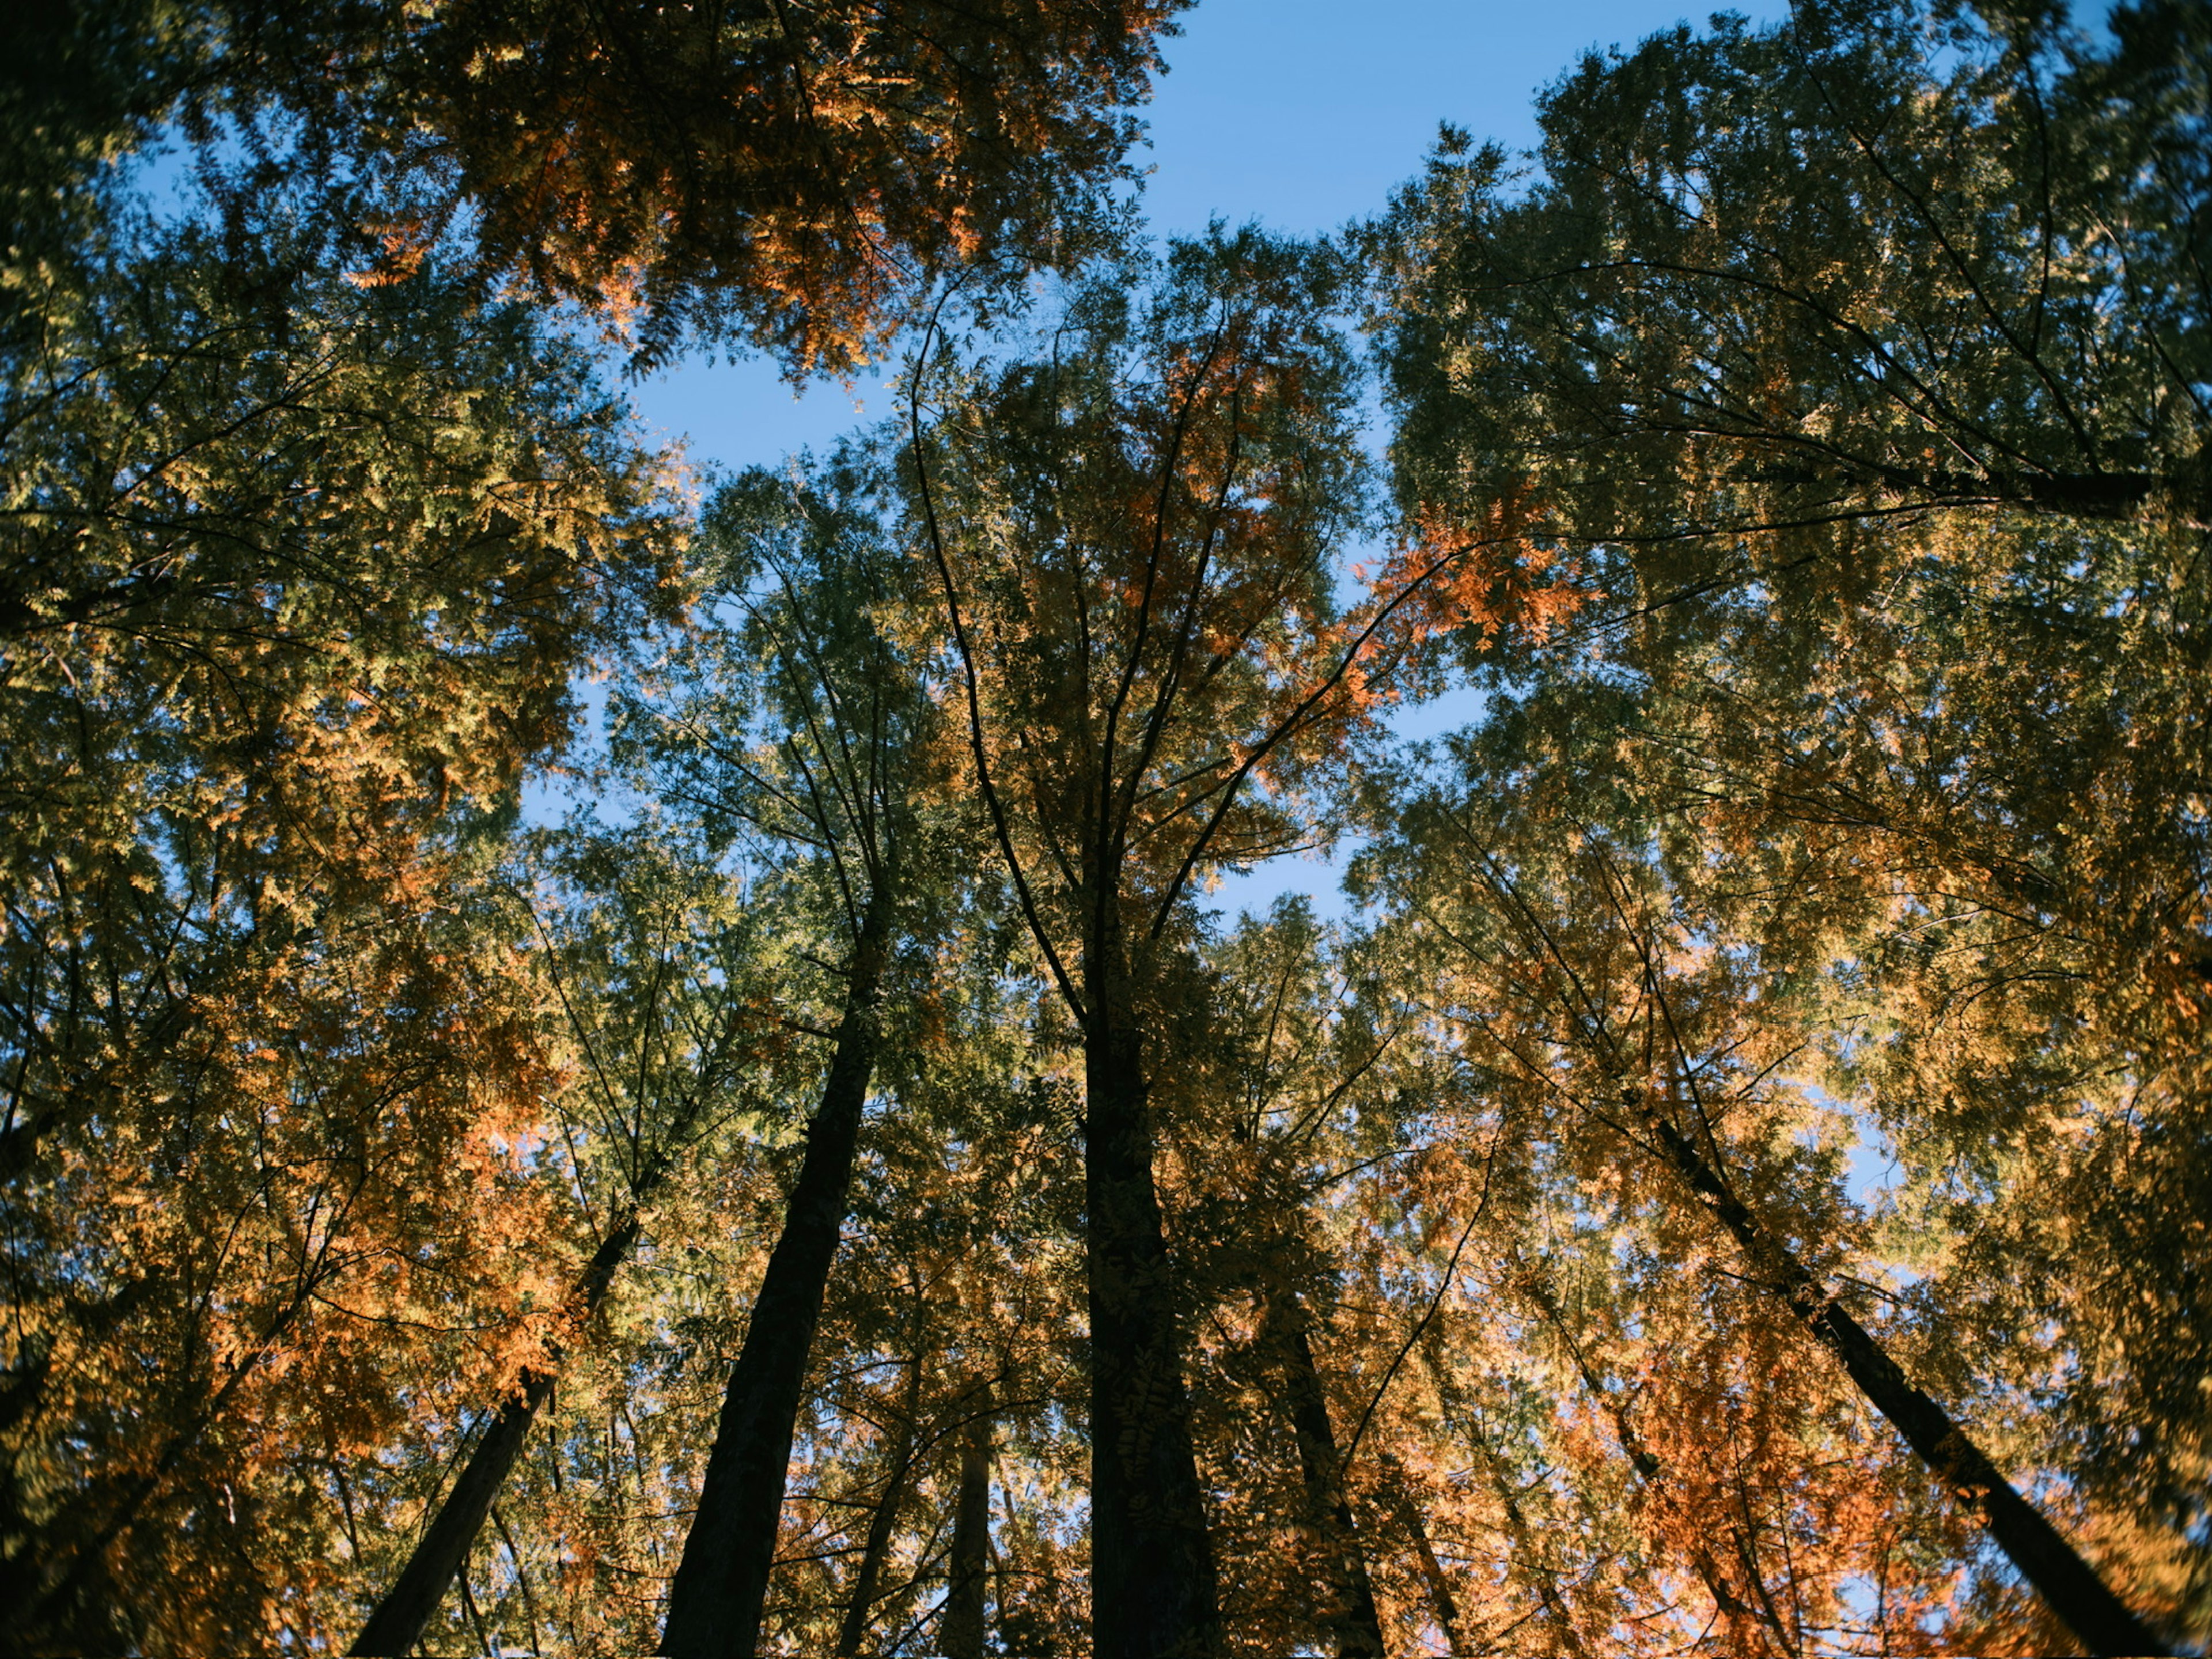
(1484, 578)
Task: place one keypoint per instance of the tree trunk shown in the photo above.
(715, 1599)
(1350, 1619)
(1153, 1573)
(960, 1630)
(397, 1625)
(1432, 1570)
(1739, 1615)
(2067, 1583)
(1532, 1569)
(855, 1628)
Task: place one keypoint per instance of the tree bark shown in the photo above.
(397, 1624)
(960, 1630)
(716, 1600)
(854, 1630)
(1153, 1592)
(1432, 1571)
(1351, 1619)
(1740, 1615)
(2067, 1583)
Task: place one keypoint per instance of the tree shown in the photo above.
(1134, 530)
(1861, 400)
(1847, 370)
(838, 771)
(296, 579)
(1275, 1075)
(654, 963)
(785, 177)
(960, 1628)
(1881, 258)
(1668, 1092)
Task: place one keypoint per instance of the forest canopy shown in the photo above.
(599, 1055)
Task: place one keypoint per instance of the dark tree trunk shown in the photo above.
(1533, 1569)
(397, 1625)
(2067, 1583)
(854, 1630)
(1153, 1573)
(1738, 1613)
(715, 1599)
(1432, 1571)
(960, 1630)
(1350, 1618)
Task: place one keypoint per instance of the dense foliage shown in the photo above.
(1737, 1178)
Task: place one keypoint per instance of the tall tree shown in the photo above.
(297, 577)
(1273, 1067)
(1134, 532)
(1659, 1070)
(1855, 367)
(823, 749)
(960, 1630)
(655, 969)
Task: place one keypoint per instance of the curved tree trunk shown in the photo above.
(397, 1622)
(715, 1599)
(2068, 1584)
(1350, 1618)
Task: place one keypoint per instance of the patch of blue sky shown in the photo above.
(1317, 875)
(1272, 112)
(1280, 112)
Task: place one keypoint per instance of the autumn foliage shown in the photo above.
(605, 1059)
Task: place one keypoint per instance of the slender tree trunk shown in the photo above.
(960, 1629)
(1526, 1559)
(1432, 1571)
(881, 1520)
(1741, 1615)
(397, 1622)
(1153, 1573)
(1351, 1619)
(715, 1599)
(2067, 1583)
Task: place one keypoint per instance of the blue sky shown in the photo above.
(1300, 113)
